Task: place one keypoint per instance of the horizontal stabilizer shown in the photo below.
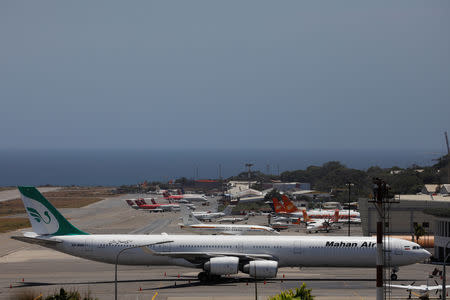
(37, 241)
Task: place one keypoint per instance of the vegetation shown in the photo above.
(70, 197)
(62, 295)
(334, 176)
(9, 224)
(419, 231)
(301, 293)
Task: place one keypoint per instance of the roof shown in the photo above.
(438, 212)
(422, 197)
(446, 187)
(431, 188)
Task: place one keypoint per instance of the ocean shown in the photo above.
(117, 167)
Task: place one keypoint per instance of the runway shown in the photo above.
(46, 270)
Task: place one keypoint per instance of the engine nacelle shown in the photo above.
(222, 265)
(261, 268)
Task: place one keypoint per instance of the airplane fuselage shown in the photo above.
(290, 251)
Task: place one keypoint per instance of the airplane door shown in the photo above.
(297, 247)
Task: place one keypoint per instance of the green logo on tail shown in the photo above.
(37, 216)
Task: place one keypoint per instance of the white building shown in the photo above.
(286, 186)
(403, 215)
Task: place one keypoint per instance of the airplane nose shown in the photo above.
(426, 254)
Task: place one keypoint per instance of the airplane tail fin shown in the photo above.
(305, 216)
(278, 207)
(44, 217)
(336, 216)
(289, 206)
(227, 210)
(188, 217)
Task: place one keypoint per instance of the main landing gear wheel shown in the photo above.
(205, 277)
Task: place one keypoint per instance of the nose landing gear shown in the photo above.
(393, 275)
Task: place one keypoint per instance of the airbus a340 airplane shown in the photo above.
(215, 255)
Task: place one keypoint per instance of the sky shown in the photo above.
(224, 74)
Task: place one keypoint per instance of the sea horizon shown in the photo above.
(110, 167)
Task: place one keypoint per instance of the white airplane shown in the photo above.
(191, 223)
(215, 255)
(317, 225)
(209, 216)
(232, 219)
(423, 289)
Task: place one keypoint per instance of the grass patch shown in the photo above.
(73, 197)
(9, 224)
(6, 188)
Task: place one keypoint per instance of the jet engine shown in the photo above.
(261, 268)
(222, 265)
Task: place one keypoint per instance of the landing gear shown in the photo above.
(206, 277)
(393, 275)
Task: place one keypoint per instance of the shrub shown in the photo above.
(301, 293)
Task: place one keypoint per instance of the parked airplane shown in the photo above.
(132, 204)
(142, 204)
(209, 216)
(258, 256)
(423, 289)
(288, 208)
(175, 207)
(191, 223)
(317, 225)
(232, 219)
(186, 197)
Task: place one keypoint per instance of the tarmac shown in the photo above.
(30, 267)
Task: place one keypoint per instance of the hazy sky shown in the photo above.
(224, 74)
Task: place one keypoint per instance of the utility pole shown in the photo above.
(380, 191)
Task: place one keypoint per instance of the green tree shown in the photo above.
(301, 293)
(419, 231)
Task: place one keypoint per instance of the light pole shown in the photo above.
(249, 172)
(256, 285)
(117, 260)
(444, 279)
(349, 185)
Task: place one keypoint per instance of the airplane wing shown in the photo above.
(230, 233)
(437, 287)
(202, 257)
(411, 287)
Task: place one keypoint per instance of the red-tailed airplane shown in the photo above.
(288, 208)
